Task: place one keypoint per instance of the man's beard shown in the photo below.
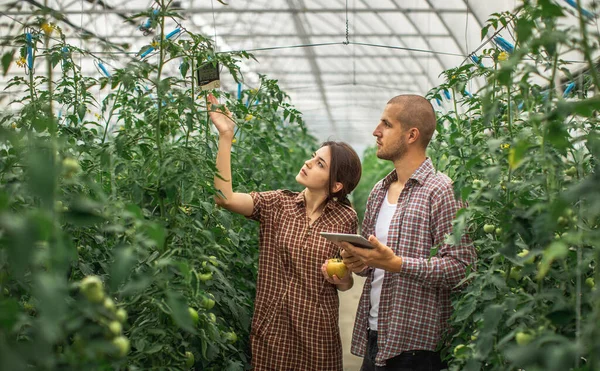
(395, 154)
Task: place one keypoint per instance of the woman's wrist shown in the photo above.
(227, 136)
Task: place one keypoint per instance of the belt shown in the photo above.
(416, 353)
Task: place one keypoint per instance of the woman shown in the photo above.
(295, 323)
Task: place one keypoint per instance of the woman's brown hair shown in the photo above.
(345, 168)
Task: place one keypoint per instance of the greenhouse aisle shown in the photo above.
(348, 304)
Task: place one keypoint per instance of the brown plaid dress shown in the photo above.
(295, 324)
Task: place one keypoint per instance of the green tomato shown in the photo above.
(523, 254)
(115, 328)
(489, 228)
(205, 276)
(562, 220)
(189, 359)
(231, 337)
(122, 345)
(71, 166)
(590, 282)
(121, 315)
(92, 288)
(212, 317)
(498, 231)
(523, 338)
(571, 171)
(515, 273)
(208, 303)
(458, 349)
(109, 304)
(194, 315)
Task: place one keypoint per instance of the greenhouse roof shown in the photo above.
(340, 61)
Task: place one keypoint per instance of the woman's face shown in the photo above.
(315, 172)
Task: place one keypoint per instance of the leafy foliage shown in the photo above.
(122, 190)
(524, 154)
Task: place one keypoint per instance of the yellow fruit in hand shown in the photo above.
(336, 267)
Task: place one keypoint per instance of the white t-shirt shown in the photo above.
(384, 219)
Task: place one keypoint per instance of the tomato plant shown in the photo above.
(523, 151)
(113, 254)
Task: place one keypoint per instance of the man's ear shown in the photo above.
(337, 187)
(413, 135)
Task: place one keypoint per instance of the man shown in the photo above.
(405, 304)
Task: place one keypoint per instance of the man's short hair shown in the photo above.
(417, 112)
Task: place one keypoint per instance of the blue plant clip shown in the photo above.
(151, 49)
(29, 39)
(173, 33)
(439, 102)
(504, 45)
(476, 60)
(103, 69)
(586, 13)
(239, 91)
(146, 27)
(447, 94)
(568, 89)
(148, 51)
(466, 92)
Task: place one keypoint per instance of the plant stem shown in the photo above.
(159, 94)
(586, 47)
(110, 115)
(458, 126)
(509, 111)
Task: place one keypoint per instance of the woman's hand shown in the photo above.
(343, 284)
(221, 117)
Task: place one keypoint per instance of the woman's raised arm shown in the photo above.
(240, 203)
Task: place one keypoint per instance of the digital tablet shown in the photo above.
(355, 239)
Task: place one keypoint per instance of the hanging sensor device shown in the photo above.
(208, 76)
